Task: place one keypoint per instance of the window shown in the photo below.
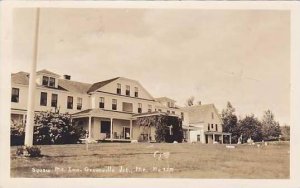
(168, 111)
(51, 82)
(101, 103)
(48, 81)
(119, 89)
(43, 101)
(127, 90)
(173, 112)
(79, 103)
(149, 108)
(208, 127)
(182, 116)
(54, 100)
(212, 126)
(159, 110)
(136, 92)
(216, 127)
(45, 80)
(70, 102)
(140, 108)
(212, 115)
(15, 94)
(114, 104)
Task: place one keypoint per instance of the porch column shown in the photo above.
(111, 129)
(130, 129)
(90, 127)
(213, 137)
(230, 139)
(24, 120)
(222, 141)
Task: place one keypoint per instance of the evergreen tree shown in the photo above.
(270, 127)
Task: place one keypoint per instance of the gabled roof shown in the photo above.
(98, 85)
(20, 78)
(164, 99)
(199, 113)
(73, 86)
(44, 71)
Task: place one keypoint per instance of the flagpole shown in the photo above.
(32, 84)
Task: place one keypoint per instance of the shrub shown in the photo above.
(29, 151)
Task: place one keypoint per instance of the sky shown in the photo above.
(241, 56)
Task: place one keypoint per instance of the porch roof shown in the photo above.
(216, 133)
(104, 114)
(153, 114)
(192, 127)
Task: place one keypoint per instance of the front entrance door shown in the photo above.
(105, 128)
(126, 132)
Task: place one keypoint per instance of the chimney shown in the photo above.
(67, 77)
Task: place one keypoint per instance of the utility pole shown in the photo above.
(32, 84)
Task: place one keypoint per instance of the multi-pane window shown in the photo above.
(140, 108)
(101, 103)
(136, 92)
(43, 100)
(149, 108)
(15, 92)
(119, 89)
(127, 90)
(70, 102)
(51, 82)
(182, 116)
(48, 81)
(54, 100)
(79, 103)
(45, 80)
(212, 126)
(114, 104)
(216, 127)
(208, 127)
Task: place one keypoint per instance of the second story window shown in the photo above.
(168, 111)
(79, 103)
(149, 108)
(173, 112)
(217, 127)
(208, 127)
(43, 99)
(101, 102)
(212, 126)
(140, 108)
(114, 104)
(182, 116)
(136, 92)
(54, 100)
(127, 90)
(70, 102)
(15, 92)
(119, 89)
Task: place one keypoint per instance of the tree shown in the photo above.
(190, 101)
(250, 127)
(285, 132)
(167, 128)
(230, 122)
(56, 128)
(270, 127)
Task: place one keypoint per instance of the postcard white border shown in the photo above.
(6, 20)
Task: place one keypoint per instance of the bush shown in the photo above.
(17, 135)
(29, 151)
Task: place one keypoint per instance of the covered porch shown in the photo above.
(212, 137)
(105, 125)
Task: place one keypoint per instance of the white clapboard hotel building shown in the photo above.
(108, 109)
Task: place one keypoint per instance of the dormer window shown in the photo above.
(127, 90)
(48, 81)
(119, 89)
(136, 92)
(149, 108)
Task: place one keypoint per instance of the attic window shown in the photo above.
(119, 89)
(48, 81)
(136, 92)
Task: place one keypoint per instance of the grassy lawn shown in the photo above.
(137, 160)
